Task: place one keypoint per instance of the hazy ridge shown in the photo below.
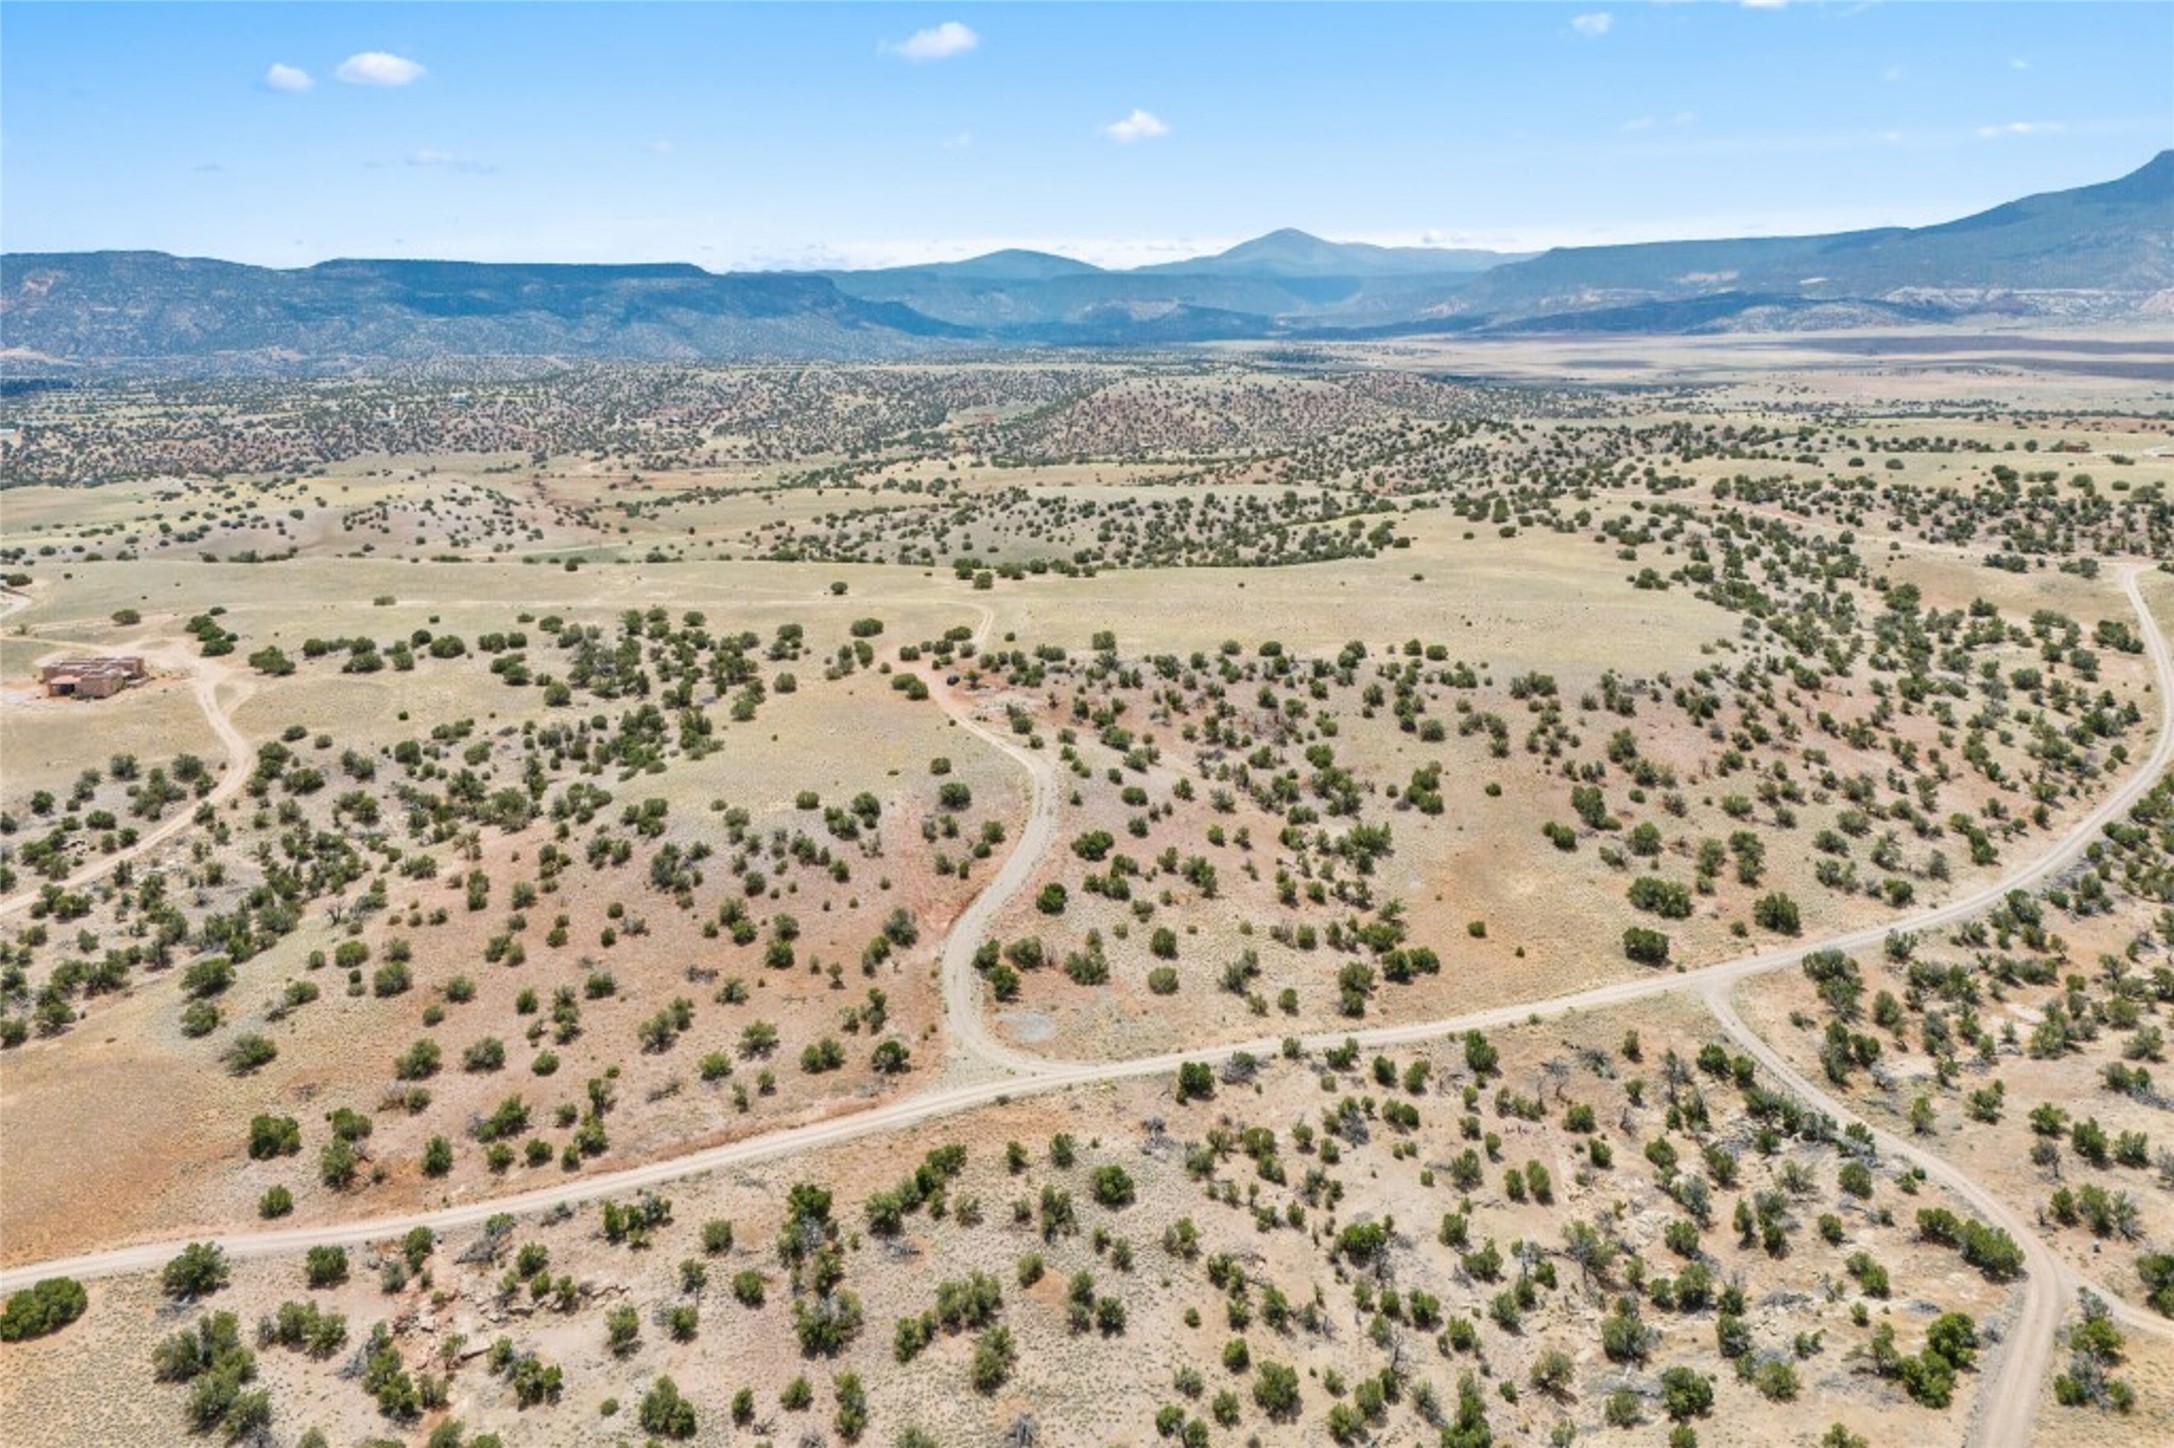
(2094, 252)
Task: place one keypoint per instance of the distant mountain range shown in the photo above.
(2096, 251)
(1284, 279)
(116, 306)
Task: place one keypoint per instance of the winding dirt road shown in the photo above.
(205, 681)
(965, 1019)
(2014, 1375)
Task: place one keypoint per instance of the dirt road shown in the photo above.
(965, 1019)
(207, 678)
(2013, 1377)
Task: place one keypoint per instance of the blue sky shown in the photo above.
(818, 135)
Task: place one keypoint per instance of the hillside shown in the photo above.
(2102, 251)
(1294, 253)
(1285, 277)
(2106, 248)
(125, 306)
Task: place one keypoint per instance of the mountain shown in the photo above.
(1294, 253)
(112, 307)
(1013, 264)
(2105, 250)
(1284, 278)
(1028, 309)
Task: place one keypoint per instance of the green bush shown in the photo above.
(666, 1413)
(1778, 913)
(42, 1308)
(199, 1270)
(1664, 898)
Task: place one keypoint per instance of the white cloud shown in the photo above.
(658, 147)
(379, 67)
(1599, 22)
(2019, 64)
(1139, 126)
(962, 141)
(1764, 4)
(450, 160)
(2017, 128)
(938, 42)
(284, 77)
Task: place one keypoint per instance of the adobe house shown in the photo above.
(91, 678)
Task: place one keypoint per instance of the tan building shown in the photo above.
(91, 678)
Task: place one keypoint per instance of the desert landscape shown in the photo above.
(1496, 896)
(989, 816)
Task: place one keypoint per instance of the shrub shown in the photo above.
(1093, 845)
(272, 1136)
(1275, 1390)
(1777, 1380)
(337, 1164)
(825, 1325)
(207, 977)
(217, 1365)
(1112, 1185)
(1664, 898)
(1778, 913)
(200, 1269)
(42, 1308)
(994, 1354)
(2156, 1272)
(418, 1062)
(325, 1266)
(1686, 1394)
(1552, 1372)
(666, 1413)
(249, 1053)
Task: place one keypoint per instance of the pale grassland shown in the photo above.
(168, 1156)
(1535, 601)
(46, 743)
